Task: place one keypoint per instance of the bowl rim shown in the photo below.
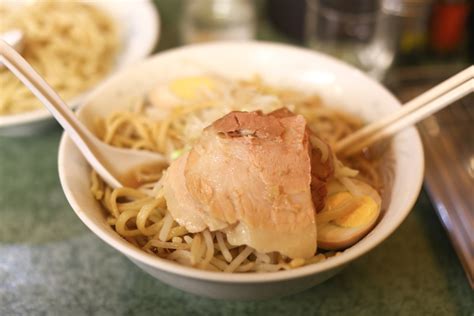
(42, 114)
(138, 255)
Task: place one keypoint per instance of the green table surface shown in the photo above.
(51, 264)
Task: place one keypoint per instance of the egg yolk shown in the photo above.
(188, 88)
(365, 208)
(337, 199)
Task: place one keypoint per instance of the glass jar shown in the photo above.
(210, 20)
(358, 32)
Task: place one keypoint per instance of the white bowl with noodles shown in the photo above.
(279, 65)
(138, 26)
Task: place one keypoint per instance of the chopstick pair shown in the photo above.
(412, 112)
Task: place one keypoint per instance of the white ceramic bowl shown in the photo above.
(138, 23)
(338, 84)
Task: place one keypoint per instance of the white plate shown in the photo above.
(337, 83)
(139, 28)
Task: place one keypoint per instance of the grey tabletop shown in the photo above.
(51, 264)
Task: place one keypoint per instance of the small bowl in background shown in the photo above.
(138, 22)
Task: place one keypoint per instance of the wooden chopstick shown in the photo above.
(447, 91)
(413, 117)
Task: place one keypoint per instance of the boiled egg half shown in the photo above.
(347, 216)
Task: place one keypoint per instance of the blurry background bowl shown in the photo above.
(337, 83)
(139, 28)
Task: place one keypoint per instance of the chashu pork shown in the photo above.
(250, 176)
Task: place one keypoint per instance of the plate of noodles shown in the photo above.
(252, 202)
(74, 45)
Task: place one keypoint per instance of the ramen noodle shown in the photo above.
(171, 125)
